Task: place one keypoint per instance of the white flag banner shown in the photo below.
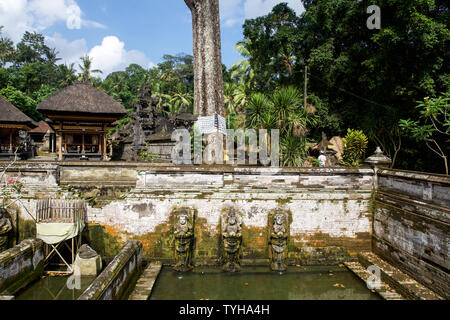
(211, 124)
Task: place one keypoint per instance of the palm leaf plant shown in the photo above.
(285, 101)
(258, 106)
(293, 151)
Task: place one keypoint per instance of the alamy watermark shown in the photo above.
(374, 21)
(374, 281)
(215, 152)
(74, 281)
(74, 17)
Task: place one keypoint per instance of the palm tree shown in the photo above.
(242, 70)
(159, 95)
(240, 98)
(85, 67)
(181, 98)
(52, 56)
(67, 75)
(228, 97)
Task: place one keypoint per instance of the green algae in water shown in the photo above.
(54, 288)
(259, 283)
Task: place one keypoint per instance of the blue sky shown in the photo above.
(116, 33)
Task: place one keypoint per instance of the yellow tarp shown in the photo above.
(52, 233)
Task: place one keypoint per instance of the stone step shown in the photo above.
(400, 281)
(144, 284)
(383, 289)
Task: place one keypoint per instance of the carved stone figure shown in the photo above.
(5, 229)
(279, 241)
(232, 239)
(184, 238)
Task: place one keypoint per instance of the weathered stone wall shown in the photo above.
(21, 265)
(330, 207)
(113, 282)
(411, 225)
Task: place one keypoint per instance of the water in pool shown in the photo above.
(54, 288)
(259, 283)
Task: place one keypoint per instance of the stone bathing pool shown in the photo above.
(55, 288)
(259, 283)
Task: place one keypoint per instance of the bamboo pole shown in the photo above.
(11, 140)
(60, 156)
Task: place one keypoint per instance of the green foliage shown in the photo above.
(26, 104)
(258, 106)
(432, 126)
(368, 79)
(85, 66)
(285, 101)
(293, 151)
(355, 146)
(144, 155)
(43, 93)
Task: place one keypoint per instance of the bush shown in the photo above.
(355, 145)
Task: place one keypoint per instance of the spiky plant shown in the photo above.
(258, 106)
(293, 151)
(285, 101)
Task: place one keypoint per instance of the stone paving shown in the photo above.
(144, 284)
(395, 284)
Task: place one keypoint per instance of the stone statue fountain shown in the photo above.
(5, 229)
(184, 240)
(278, 240)
(232, 239)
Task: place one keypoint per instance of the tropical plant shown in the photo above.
(242, 70)
(85, 67)
(355, 145)
(433, 125)
(258, 106)
(285, 101)
(67, 75)
(293, 151)
(182, 98)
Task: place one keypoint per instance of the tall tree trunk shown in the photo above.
(208, 83)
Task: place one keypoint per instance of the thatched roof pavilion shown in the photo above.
(81, 99)
(12, 120)
(81, 115)
(12, 116)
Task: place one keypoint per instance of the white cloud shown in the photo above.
(111, 56)
(18, 16)
(230, 10)
(70, 52)
(256, 8)
(236, 11)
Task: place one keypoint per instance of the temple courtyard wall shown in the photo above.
(335, 212)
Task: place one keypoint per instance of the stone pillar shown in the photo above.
(377, 160)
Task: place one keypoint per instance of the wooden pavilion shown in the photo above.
(12, 121)
(81, 116)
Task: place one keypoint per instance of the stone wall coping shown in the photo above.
(415, 175)
(164, 167)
